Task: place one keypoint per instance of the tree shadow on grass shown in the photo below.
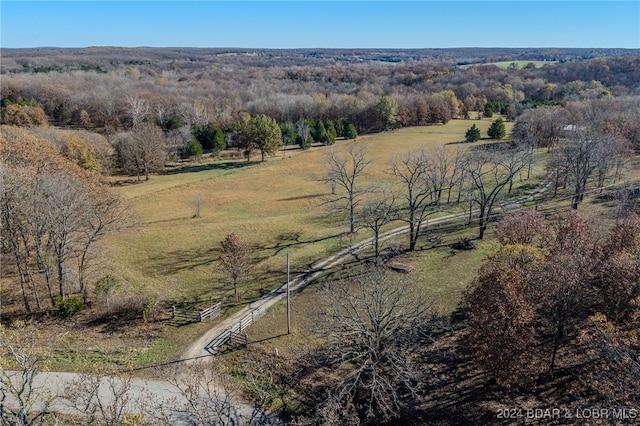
(179, 260)
(225, 165)
(302, 197)
(287, 240)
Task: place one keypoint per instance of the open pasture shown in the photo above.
(275, 206)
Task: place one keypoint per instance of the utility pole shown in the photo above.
(288, 304)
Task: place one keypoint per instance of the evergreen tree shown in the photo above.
(350, 131)
(497, 129)
(488, 110)
(340, 126)
(473, 134)
(332, 134)
(289, 135)
(195, 149)
(319, 133)
(210, 136)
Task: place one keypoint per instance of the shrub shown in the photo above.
(68, 305)
(106, 286)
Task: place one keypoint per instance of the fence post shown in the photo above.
(173, 311)
(200, 316)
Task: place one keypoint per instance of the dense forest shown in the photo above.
(110, 89)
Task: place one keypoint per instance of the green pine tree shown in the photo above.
(497, 129)
(473, 134)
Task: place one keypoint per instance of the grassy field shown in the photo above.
(440, 276)
(274, 206)
(171, 256)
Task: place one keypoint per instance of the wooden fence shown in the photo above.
(234, 333)
(193, 315)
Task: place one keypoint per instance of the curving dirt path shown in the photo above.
(199, 348)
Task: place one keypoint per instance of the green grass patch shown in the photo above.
(440, 275)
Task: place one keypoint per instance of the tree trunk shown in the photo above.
(81, 279)
(47, 271)
(60, 267)
(412, 237)
(377, 242)
(483, 227)
(23, 281)
(482, 223)
(352, 222)
(16, 253)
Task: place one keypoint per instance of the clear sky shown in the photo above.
(332, 24)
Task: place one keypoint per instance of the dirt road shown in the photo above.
(199, 348)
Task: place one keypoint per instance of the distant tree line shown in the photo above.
(425, 92)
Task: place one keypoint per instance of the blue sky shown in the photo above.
(333, 24)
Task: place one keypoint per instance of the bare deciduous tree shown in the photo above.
(304, 131)
(206, 395)
(103, 399)
(12, 182)
(66, 205)
(375, 326)
(53, 216)
(489, 173)
(580, 156)
(138, 109)
(197, 205)
(142, 151)
(377, 212)
(107, 214)
(590, 148)
(23, 401)
(412, 169)
(345, 171)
